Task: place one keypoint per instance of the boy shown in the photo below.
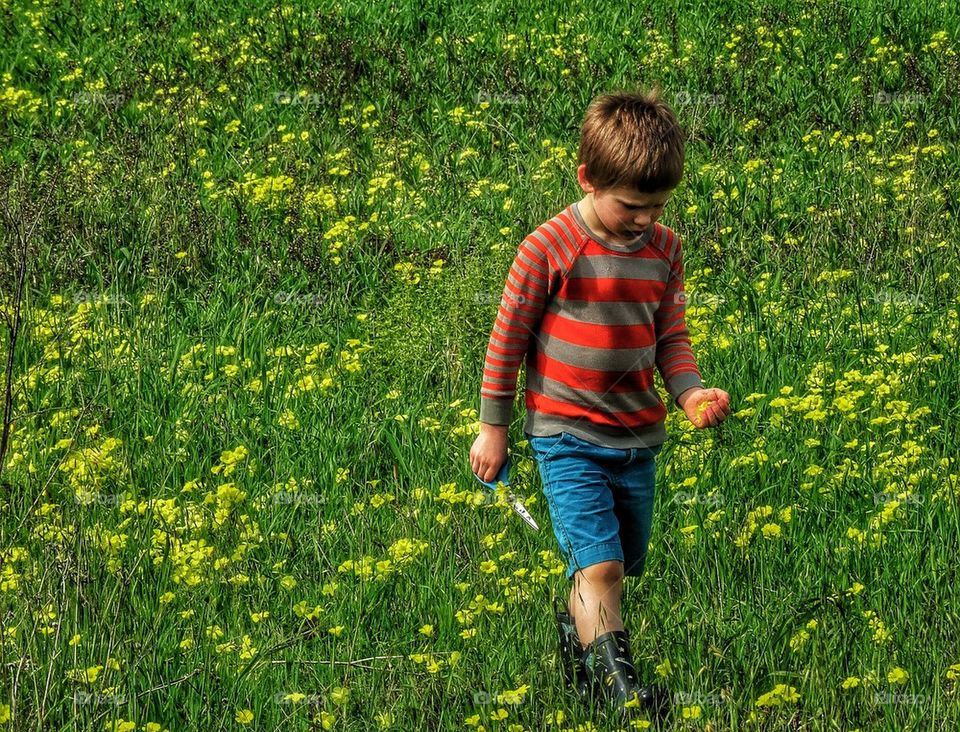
(594, 300)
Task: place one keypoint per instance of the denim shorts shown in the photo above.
(600, 499)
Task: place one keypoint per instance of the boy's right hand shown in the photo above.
(489, 451)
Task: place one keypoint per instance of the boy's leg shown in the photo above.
(595, 600)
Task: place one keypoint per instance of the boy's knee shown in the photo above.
(602, 573)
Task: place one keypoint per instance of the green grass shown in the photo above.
(182, 245)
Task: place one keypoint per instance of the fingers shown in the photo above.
(477, 467)
(720, 406)
(484, 474)
(473, 468)
(715, 413)
(481, 473)
(720, 397)
(719, 413)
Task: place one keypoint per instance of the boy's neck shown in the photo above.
(592, 220)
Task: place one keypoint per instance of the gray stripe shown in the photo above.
(607, 313)
(587, 357)
(624, 268)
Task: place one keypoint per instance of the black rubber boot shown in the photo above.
(610, 667)
(571, 655)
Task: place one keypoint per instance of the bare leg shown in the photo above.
(595, 600)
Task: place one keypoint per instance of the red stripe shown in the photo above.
(613, 289)
(601, 337)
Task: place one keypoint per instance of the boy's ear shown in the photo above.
(583, 180)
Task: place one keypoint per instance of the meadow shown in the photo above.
(251, 257)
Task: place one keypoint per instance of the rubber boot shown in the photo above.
(571, 656)
(610, 667)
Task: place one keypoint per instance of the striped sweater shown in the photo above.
(592, 319)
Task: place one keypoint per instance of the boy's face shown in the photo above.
(624, 212)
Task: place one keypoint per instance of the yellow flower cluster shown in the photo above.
(434, 662)
(89, 467)
(17, 101)
(229, 460)
(880, 633)
(769, 530)
(802, 636)
(780, 694)
(402, 552)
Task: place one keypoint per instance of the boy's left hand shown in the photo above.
(705, 407)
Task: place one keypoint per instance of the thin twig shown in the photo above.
(355, 662)
(171, 683)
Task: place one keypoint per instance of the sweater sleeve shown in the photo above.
(674, 358)
(534, 278)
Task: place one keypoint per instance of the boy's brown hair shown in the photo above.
(632, 139)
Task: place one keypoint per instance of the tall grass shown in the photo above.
(238, 492)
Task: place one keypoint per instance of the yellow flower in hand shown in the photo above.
(705, 407)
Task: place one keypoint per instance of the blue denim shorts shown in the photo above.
(600, 500)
